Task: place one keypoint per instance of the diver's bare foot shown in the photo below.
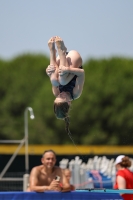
(60, 44)
(51, 44)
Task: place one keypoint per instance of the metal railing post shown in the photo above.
(26, 136)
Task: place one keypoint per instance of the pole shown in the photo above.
(26, 136)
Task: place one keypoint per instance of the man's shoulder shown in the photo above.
(56, 168)
(37, 168)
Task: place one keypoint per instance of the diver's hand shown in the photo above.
(50, 69)
(63, 70)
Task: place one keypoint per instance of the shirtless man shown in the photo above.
(42, 177)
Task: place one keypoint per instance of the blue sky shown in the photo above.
(96, 28)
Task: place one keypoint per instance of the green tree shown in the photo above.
(102, 115)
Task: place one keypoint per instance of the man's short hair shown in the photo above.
(47, 151)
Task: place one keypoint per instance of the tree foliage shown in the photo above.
(102, 115)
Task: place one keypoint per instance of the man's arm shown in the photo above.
(65, 185)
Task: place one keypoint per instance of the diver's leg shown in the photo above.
(52, 69)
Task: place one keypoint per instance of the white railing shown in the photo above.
(97, 171)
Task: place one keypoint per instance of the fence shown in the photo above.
(98, 172)
(9, 182)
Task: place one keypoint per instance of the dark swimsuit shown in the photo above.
(69, 86)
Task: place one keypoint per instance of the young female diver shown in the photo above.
(67, 77)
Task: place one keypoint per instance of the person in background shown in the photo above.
(67, 174)
(48, 177)
(124, 177)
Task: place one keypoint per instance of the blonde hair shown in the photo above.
(61, 110)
